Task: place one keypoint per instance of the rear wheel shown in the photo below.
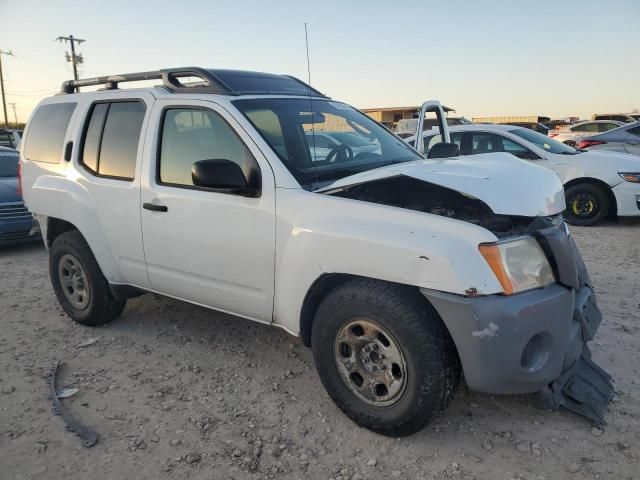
(587, 204)
(571, 143)
(384, 356)
(78, 282)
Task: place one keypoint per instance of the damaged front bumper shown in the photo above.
(534, 341)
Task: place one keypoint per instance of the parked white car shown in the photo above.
(400, 272)
(597, 183)
(572, 134)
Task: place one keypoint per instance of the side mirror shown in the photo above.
(220, 175)
(444, 150)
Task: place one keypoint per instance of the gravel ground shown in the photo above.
(177, 391)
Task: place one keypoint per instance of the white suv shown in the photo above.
(400, 272)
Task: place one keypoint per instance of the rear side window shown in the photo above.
(47, 130)
(634, 131)
(111, 140)
(605, 127)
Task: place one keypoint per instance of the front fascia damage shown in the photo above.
(491, 332)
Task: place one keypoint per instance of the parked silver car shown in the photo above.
(623, 139)
(571, 134)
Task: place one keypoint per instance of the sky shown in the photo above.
(483, 58)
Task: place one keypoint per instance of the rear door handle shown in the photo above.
(155, 208)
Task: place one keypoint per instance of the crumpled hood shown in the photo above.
(508, 185)
(9, 190)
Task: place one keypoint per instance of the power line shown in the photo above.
(4, 102)
(73, 58)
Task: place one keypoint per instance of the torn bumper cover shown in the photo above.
(534, 341)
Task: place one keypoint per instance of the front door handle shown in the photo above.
(155, 208)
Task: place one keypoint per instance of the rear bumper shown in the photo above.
(627, 198)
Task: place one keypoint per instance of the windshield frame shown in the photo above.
(318, 175)
(560, 148)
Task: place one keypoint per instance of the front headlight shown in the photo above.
(518, 264)
(633, 177)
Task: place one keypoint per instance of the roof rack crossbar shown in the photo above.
(170, 79)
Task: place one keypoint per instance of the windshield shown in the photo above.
(8, 163)
(320, 141)
(544, 142)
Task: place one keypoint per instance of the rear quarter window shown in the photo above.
(111, 139)
(46, 133)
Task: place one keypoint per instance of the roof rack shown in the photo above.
(222, 82)
(170, 79)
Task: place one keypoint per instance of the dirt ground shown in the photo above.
(176, 391)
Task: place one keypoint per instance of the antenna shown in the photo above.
(306, 41)
(313, 125)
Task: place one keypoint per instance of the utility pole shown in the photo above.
(15, 115)
(4, 103)
(74, 59)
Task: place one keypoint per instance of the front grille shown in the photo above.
(13, 211)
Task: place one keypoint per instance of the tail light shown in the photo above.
(589, 143)
(553, 134)
(20, 178)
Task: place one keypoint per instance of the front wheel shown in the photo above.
(78, 282)
(384, 356)
(587, 204)
(571, 143)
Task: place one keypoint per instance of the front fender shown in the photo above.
(318, 234)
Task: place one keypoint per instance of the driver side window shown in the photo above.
(190, 135)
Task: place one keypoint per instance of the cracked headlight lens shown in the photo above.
(519, 264)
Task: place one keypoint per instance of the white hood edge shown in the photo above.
(508, 185)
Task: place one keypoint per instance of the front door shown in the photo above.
(211, 248)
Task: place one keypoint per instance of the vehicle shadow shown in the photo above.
(21, 246)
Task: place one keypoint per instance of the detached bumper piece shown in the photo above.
(87, 435)
(585, 389)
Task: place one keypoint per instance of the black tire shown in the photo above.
(587, 204)
(432, 364)
(571, 143)
(102, 307)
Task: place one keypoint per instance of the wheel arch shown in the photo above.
(613, 209)
(326, 283)
(319, 289)
(56, 227)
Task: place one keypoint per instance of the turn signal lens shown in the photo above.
(631, 177)
(492, 255)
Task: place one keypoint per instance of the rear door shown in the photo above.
(108, 166)
(211, 248)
